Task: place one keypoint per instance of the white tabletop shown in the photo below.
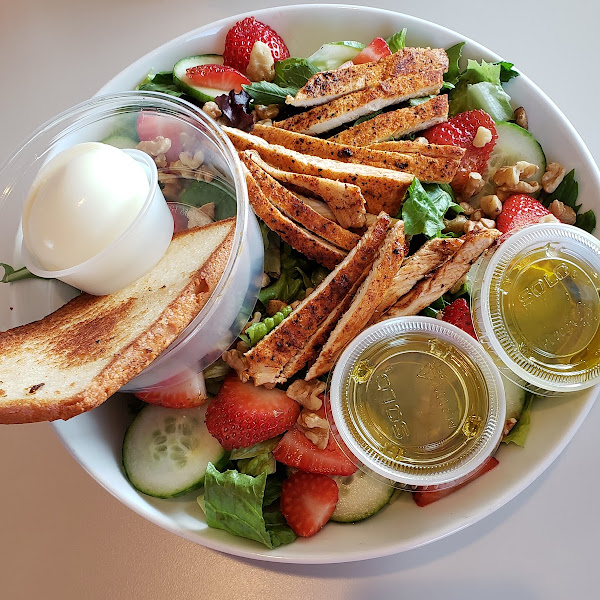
(63, 536)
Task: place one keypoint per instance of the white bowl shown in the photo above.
(95, 438)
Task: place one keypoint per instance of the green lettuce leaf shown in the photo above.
(480, 86)
(518, 434)
(568, 192)
(265, 92)
(506, 71)
(424, 209)
(199, 193)
(454, 53)
(11, 274)
(397, 41)
(233, 502)
(263, 463)
(255, 450)
(257, 331)
(160, 82)
(293, 72)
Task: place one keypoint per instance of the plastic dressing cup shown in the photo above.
(124, 260)
(536, 308)
(417, 401)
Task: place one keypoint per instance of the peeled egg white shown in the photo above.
(81, 201)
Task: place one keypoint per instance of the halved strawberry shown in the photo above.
(461, 131)
(459, 314)
(377, 49)
(240, 40)
(518, 211)
(296, 450)
(308, 501)
(218, 77)
(182, 394)
(241, 414)
(425, 498)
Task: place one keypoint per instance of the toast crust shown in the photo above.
(89, 329)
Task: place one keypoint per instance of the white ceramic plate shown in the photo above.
(95, 438)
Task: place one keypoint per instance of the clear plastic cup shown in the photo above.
(417, 401)
(117, 119)
(536, 308)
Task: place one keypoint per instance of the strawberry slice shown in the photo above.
(296, 450)
(181, 394)
(520, 210)
(308, 501)
(218, 77)
(425, 498)
(377, 49)
(461, 131)
(459, 314)
(240, 40)
(242, 415)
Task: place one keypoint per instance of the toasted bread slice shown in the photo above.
(429, 169)
(396, 123)
(350, 107)
(75, 358)
(329, 85)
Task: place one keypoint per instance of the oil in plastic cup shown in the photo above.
(417, 401)
(536, 308)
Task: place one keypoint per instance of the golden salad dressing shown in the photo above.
(416, 400)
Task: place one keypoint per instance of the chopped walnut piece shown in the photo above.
(192, 161)
(306, 393)
(261, 65)
(491, 205)
(473, 226)
(564, 213)
(268, 112)
(456, 225)
(473, 185)
(274, 306)
(314, 427)
(212, 109)
(521, 118)
(477, 215)
(512, 178)
(159, 145)
(553, 177)
(237, 361)
(208, 209)
(489, 223)
(549, 219)
(508, 425)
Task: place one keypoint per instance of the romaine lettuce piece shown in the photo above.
(233, 502)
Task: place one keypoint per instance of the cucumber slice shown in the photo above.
(166, 451)
(204, 94)
(513, 144)
(515, 399)
(360, 497)
(331, 56)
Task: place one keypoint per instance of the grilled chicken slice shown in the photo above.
(425, 168)
(326, 117)
(383, 189)
(344, 202)
(364, 303)
(445, 276)
(428, 257)
(267, 359)
(314, 344)
(304, 241)
(329, 85)
(396, 123)
(295, 209)
(433, 150)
